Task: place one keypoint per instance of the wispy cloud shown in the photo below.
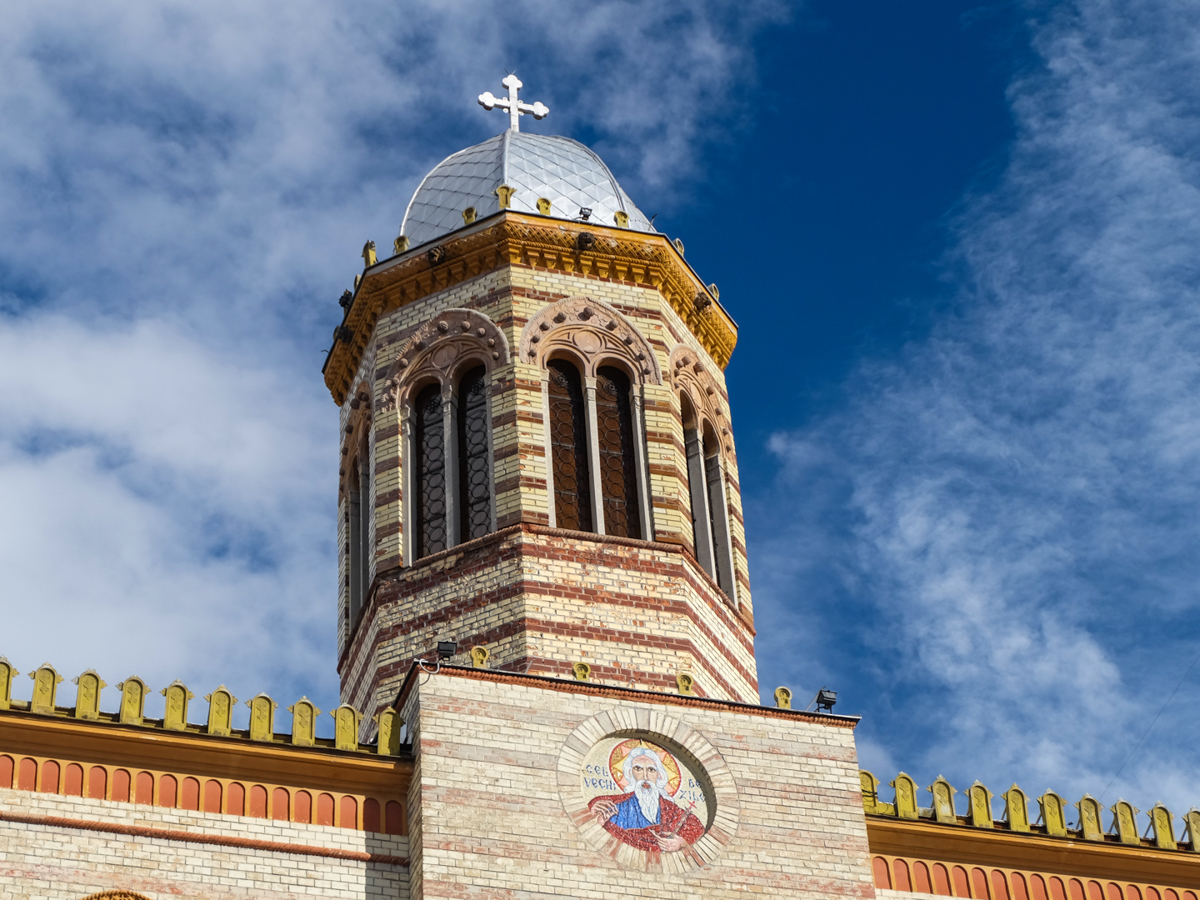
(184, 188)
(1001, 523)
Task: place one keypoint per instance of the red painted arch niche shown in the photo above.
(978, 883)
(187, 792)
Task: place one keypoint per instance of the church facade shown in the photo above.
(545, 627)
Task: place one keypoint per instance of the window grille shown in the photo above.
(474, 464)
(718, 513)
(364, 529)
(716, 500)
(618, 466)
(568, 448)
(431, 530)
(354, 541)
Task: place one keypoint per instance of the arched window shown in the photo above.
(430, 473)
(718, 513)
(364, 522)
(706, 491)
(618, 463)
(354, 540)
(448, 458)
(474, 458)
(697, 486)
(359, 513)
(569, 448)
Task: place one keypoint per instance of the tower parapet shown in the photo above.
(1022, 852)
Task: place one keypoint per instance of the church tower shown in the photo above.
(537, 459)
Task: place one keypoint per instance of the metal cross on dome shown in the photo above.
(514, 106)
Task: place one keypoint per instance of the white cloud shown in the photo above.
(167, 510)
(1008, 511)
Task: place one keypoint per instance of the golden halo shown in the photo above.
(616, 763)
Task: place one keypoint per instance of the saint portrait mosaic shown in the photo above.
(644, 795)
(648, 791)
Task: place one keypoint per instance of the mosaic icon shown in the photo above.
(643, 795)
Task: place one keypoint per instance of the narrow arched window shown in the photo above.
(364, 532)
(569, 448)
(718, 512)
(697, 486)
(474, 460)
(618, 462)
(430, 474)
(354, 540)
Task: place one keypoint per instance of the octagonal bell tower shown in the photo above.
(537, 459)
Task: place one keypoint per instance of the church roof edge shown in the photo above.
(634, 694)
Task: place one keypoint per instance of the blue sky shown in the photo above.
(959, 241)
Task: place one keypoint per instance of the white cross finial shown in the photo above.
(514, 106)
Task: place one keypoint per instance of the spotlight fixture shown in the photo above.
(585, 212)
(826, 699)
(446, 649)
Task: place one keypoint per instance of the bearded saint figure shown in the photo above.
(646, 817)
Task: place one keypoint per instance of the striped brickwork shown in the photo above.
(94, 804)
(541, 599)
(55, 847)
(638, 614)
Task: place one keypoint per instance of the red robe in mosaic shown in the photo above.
(672, 819)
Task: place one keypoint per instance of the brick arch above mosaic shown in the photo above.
(116, 895)
(689, 375)
(591, 331)
(442, 348)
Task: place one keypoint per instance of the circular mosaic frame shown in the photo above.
(679, 738)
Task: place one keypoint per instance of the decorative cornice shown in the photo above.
(509, 238)
(925, 839)
(170, 751)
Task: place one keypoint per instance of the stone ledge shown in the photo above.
(620, 693)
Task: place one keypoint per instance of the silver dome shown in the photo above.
(563, 171)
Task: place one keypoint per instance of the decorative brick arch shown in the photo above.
(116, 895)
(591, 331)
(442, 347)
(688, 374)
(356, 434)
(681, 739)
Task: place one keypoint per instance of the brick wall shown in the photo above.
(64, 848)
(540, 600)
(493, 804)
